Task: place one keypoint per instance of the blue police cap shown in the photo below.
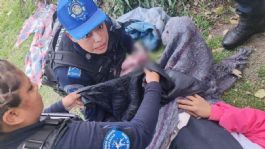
(79, 17)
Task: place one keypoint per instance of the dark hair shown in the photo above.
(9, 85)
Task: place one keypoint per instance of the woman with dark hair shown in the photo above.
(21, 107)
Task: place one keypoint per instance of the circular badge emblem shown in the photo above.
(116, 140)
(77, 10)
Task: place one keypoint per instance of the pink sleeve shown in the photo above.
(245, 121)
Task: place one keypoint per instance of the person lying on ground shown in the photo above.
(21, 107)
(246, 121)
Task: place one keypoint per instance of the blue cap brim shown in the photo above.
(80, 32)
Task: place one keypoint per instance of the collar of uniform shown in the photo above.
(19, 135)
(79, 50)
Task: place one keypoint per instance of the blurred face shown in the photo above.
(96, 41)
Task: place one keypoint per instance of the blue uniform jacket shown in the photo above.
(70, 79)
(136, 134)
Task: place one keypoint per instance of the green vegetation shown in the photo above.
(214, 42)
(12, 16)
(242, 95)
(118, 7)
(261, 73)
(11, 20)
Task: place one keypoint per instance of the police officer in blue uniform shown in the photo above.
(89, 49)
(21, 107)
(252, 21)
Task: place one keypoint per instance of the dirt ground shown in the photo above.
(257, 43)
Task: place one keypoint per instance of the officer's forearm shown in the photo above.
(56, 108)
(147, 113)
(139, 130)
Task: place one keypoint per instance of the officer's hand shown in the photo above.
(72, 100)
(151, 76)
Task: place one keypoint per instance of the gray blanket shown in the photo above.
(186, 51)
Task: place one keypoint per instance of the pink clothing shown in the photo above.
(249, 122)
(39, 24)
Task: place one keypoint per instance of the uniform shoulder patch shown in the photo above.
(116, 139)
(74, 72)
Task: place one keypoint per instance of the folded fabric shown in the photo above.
(156, 16)
(143, 31)
(122, 96)
(187, 52)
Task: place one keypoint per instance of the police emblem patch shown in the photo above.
(74, 72)
(116, 139)
(77, 10)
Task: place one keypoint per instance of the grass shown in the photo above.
(261, 73)
(242, 95)
(203, 24)
(214, 42)
(12, 18)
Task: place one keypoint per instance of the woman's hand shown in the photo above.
(72, 100)
(151, 76)
(196, 106)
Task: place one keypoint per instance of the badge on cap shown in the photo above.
(77, 10)
(116, 139)
(74, 72)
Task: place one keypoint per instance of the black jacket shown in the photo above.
(122, 97)
(136, 134)
(93, 68)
